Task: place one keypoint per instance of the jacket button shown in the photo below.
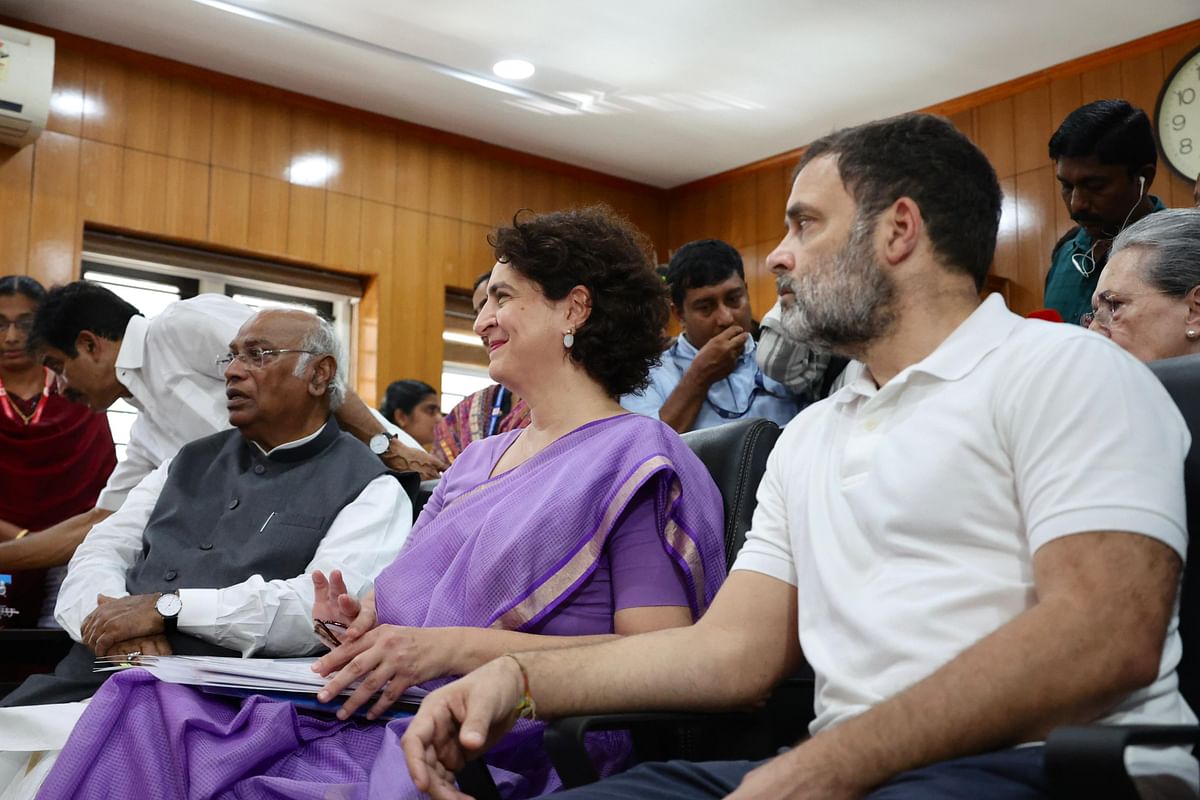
(233, 503)
(170, 575)
(206, 546)
(259, 469)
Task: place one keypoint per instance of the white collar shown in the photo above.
(291, 445)
(979, 334)
(133, 343)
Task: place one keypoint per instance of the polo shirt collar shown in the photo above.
(133, 344)
(979, 334)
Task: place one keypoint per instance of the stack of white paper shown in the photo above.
(291, 675)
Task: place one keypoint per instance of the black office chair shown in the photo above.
(736, 457)
(1089, 761)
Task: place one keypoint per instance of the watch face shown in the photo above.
(379, 443)
(1178, 117)
(169, 605)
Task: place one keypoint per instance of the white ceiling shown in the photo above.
(679, 89)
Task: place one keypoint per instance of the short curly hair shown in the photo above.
(596, 248)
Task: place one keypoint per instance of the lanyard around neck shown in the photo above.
(12, 412)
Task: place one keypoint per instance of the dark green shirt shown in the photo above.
(1068, 291)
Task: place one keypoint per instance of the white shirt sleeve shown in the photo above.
(768, 547)
(1087, 402)
(102, 560)
(138, 463)
(260, 617)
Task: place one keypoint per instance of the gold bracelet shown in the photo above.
(21, 534)
(526, 708)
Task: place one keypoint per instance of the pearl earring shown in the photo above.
(1193, 333)
(569, 338)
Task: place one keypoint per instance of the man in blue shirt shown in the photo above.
(708, 376)
(1104, 158)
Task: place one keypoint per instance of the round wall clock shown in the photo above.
(1178, 117)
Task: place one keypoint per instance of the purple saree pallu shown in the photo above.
(505, 552)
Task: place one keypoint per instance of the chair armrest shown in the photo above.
(1089, 761)
(563, 738)
(475, 780)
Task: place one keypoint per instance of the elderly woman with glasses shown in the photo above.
(1148, 297)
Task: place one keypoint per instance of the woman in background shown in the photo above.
(56, 455)
(415, 407)
(487, 412)
(1148, 297)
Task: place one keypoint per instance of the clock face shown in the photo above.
(1179, 117)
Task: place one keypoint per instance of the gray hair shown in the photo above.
(1172, 238)
(322, 341)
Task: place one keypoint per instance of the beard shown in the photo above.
(845, 301)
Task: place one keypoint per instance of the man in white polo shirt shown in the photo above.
(977, 539)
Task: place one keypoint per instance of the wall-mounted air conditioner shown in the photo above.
(26, 78)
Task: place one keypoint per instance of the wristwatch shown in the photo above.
(169, 604)
(379, 442)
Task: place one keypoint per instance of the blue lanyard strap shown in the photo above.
(497, 407)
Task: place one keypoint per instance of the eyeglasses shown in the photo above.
(322, 627)
(1108, 307)
(23, 324)
(254, 358)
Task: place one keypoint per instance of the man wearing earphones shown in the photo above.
(1104, 158)
(708, 376)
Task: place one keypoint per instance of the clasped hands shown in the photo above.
(122, 625)
(388, 658)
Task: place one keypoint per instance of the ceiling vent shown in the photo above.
(26, 78)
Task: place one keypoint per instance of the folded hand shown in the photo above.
(117, 619)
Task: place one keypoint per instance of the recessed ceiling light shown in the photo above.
(513, 69)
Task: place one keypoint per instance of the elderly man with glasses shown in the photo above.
(104, 350)
(214, 552)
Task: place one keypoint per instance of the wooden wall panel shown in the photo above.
(100, 169)
(233, 123)
(190, 115)
(104, 100)
(346, 149)
(66, 116)
(343, 231)
(1101, 83)
(16, 195)
(143, 192)
(268, 228)
(147, 112)
(995, 129)
(187, 206)
(379, 166)
(53, 243)
(229, 210)
(1031, 119)
(306, 223)
(413, 174)
(271, 140)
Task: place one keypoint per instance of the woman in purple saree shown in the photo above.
(589, 523)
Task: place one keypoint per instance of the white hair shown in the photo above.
(322, 340)
(1172, 237)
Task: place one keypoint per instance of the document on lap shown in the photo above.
(284, 678)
